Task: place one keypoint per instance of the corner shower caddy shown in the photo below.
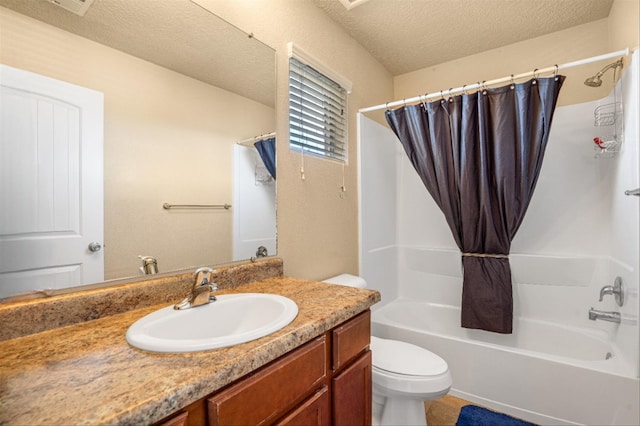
(610, 115)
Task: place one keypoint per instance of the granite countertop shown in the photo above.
(86, 373)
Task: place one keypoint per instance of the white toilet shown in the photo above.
(404, 375)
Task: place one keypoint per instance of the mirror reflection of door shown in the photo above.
(51, 192)
(254, 213)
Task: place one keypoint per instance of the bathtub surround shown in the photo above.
(580, 233)
(479, 155)
(546, 373)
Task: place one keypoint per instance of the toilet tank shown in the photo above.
(348, 280)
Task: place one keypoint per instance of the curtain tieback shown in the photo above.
(497, 256)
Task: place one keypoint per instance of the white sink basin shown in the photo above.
(232, 319)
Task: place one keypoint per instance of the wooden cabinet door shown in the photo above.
(316, 411)
(352, 393)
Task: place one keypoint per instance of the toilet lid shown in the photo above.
(404, 358)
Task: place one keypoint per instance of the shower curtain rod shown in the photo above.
(464, 88)
(247, 142)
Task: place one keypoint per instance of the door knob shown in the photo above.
(95, 246)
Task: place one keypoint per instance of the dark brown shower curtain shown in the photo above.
(479, 155)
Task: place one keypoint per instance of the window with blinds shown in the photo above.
(317, 112)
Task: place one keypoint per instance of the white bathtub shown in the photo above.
(545, 373)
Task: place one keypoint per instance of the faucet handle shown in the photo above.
(202, 276)
(617, 290)
(607, 289)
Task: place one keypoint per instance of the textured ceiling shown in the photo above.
(407, 35)
(176, 34)
(404, 35)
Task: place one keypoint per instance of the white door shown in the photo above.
(51, 190)
(254, 205)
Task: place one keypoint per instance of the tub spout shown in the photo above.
(595, 314)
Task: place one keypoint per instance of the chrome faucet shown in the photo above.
(202, 291)
(149, 265)
(616, 290)
(595, 314)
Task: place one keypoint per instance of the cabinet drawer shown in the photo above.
(350, 339)
(271, 392)
(314, 411)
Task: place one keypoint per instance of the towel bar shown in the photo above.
(168, 206)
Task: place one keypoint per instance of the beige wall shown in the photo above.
(617, 32)
(563, 46)
(168, 138)
(624, 27)
(317, 230)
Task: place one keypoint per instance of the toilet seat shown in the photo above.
(406, 359)
(408, 369)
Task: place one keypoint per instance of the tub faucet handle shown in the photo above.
(617, 290)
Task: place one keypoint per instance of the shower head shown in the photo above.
(596, 80)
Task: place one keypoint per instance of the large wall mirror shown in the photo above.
(184, 96)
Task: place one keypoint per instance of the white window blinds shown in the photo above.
(317, 112)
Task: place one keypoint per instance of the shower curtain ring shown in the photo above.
(535, 76)
(442, 96)
(484, 87)
(464, 90)
(387, 106)
(513, 83)
(555, 73)
(450, 97)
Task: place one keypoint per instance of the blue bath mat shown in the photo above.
(472, 415)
